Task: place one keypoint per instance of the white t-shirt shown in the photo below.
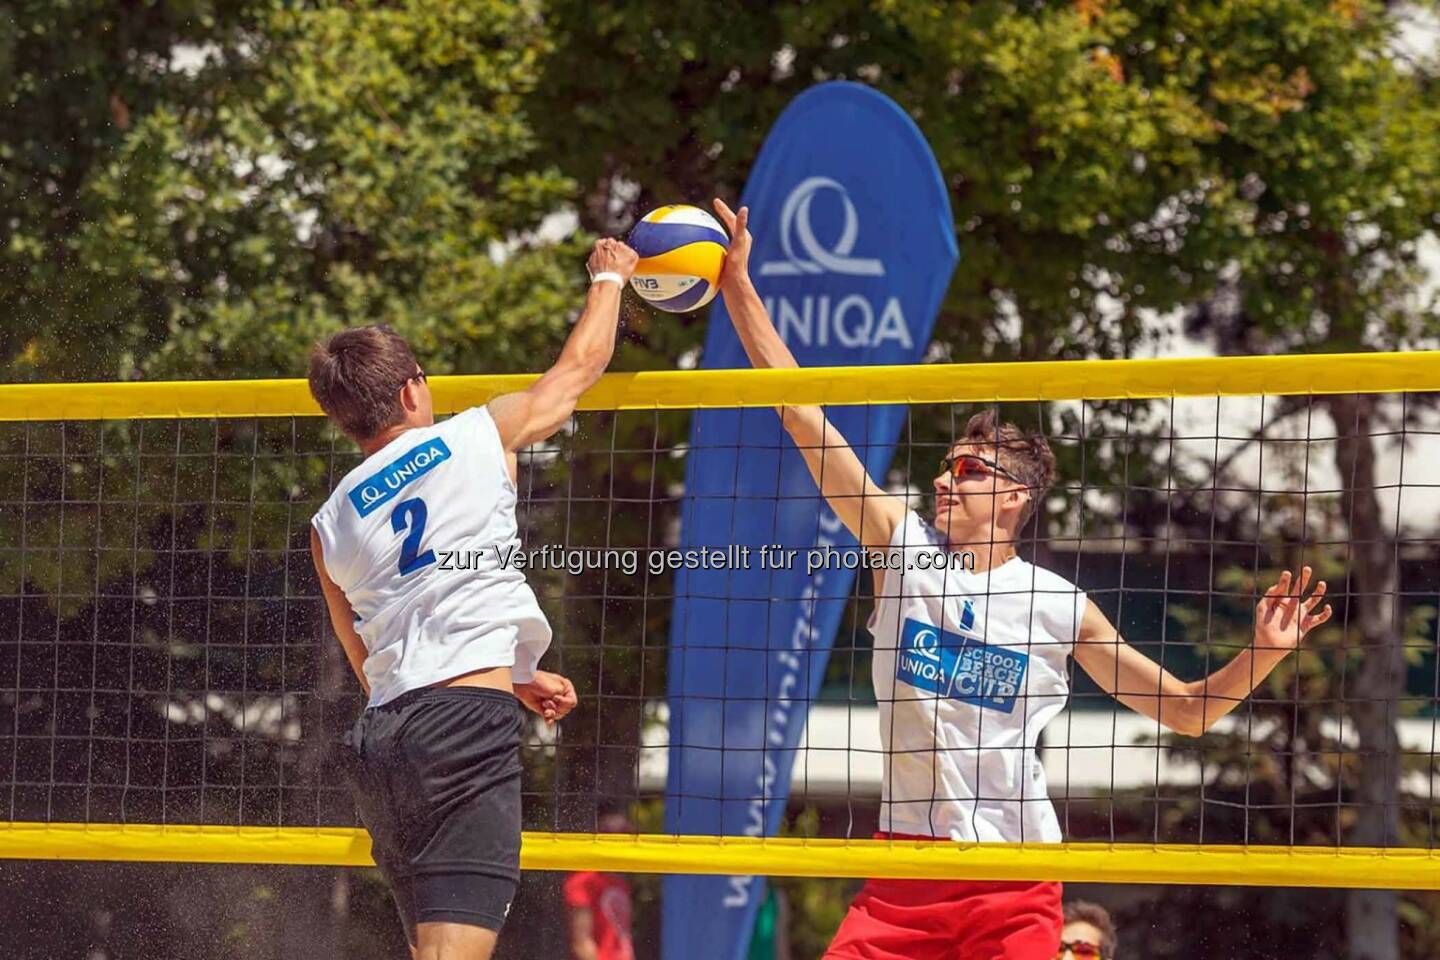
(968, 668)
(414, 536)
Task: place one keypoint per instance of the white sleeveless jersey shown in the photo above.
(414, 536)
(968, 669)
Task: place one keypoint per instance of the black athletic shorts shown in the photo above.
(436, 778)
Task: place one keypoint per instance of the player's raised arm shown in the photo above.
(862, 505)
(535, 414)
(1282, 619)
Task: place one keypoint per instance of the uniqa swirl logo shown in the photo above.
(926, 643)
(796, 230)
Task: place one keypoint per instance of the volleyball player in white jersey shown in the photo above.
(969, 666)
(444, 652)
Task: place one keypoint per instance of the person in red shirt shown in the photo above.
(597, 906)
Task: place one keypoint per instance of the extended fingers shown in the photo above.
(727, 216)
(1311, 618)
(1284, 605)
(1291, 605)
(1273, 600)
(742, 221)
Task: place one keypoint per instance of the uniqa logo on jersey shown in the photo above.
(381, 488)
(855, 319)
(959, 666)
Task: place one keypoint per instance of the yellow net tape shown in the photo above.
(1396, 869)
(692, 389)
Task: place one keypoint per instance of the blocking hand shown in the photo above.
(1283, 618)
(612, 256)
(737, 260)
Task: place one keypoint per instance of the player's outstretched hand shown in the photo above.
(737, 260)
(1285, 615)
(612, 256)
(550, 695)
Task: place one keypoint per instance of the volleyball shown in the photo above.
(682, 249)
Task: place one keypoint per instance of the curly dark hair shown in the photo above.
(1025, 454)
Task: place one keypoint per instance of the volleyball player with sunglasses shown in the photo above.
(970, 664)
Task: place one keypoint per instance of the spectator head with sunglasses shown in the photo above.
(990, 482)
(1088, 933)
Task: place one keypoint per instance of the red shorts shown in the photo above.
(950, 920)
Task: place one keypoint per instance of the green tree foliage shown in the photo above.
(361, 162)
(308, 169)
(74, 78)
(1105, 158)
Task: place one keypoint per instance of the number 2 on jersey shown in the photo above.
(411, 513)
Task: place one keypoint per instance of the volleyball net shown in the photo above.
(170, 687)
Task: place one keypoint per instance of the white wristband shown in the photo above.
(610, 275)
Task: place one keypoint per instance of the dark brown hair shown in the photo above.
(356, 377)
(1083, 911)
(1027, 455)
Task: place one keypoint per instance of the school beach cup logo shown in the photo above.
(960, 666)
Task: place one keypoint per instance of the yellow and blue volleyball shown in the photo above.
(682, 249)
